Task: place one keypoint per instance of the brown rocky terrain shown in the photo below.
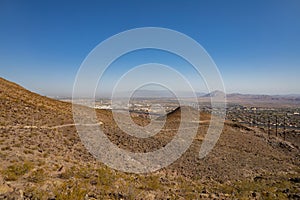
(42, 157)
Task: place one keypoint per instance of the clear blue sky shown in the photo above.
(255, 44)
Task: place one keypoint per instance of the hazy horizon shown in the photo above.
(199, 93)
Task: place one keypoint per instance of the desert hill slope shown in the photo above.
(22, 107)
(42, 157)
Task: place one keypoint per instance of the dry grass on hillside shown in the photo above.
(42, 162)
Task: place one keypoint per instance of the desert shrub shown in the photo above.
(6, 148)
(105, 176)
(13, 172)
(68, 173)
(37, 176)
(28, 151)
(150, 183)
(71, 190)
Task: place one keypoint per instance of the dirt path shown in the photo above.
(49, 127)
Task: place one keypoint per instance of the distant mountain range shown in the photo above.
(157, 94)
(168, 94)
(257, 99)
(235, 95)
(245, 99)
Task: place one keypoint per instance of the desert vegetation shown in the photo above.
(41, 158)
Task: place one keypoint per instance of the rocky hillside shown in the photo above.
(42, 157)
